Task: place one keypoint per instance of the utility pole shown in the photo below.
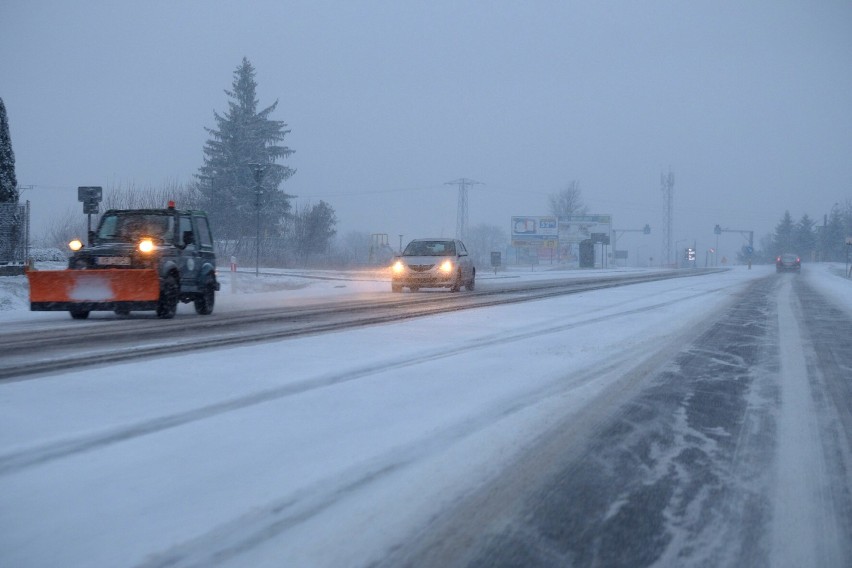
(461, 214)
(667, 184)
(258, 170)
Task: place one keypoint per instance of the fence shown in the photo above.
(14, 234)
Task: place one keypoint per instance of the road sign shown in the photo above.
(89, 193)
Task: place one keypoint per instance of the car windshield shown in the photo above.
(430, 248)
(130, 228)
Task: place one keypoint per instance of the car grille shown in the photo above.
(420, 267)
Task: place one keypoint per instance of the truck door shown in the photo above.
(189, 262)
(206, 252)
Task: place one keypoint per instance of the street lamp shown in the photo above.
(258, 170)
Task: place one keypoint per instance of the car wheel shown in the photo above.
(78, 314)
(471, 284)
(457, 284)
(396, 287)
(167, 304)
(414, 288)
(205, 301)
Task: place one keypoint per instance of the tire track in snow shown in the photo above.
(643, 484)
(823, 335)
(804, 528)
(32, 456)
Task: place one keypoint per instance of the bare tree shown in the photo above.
(353, 249)
(568, 201)
(70, 224)
(484, 239)
(131, 196)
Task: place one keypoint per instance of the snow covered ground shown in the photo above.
(320, 451)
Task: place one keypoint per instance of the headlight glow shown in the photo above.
(146, 245)
(447, 266)
(75, 245)
(398, 266)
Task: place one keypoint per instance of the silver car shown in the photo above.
(433, 263)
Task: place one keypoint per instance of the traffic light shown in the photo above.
(647, 229)
(717, 230)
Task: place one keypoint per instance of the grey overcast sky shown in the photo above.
(748, 102)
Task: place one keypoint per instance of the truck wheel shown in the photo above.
(78, 314)
(167, 304)
(205, 301)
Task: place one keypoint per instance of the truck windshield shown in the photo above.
(131, 228)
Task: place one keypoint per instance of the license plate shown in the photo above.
(112, 261)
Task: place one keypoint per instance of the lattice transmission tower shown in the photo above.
(462, 214)
(667, 185)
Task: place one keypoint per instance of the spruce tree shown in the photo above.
(244, 140)
(8, 182)
(784, 235)
(313, 229)
(832, 240)
(805, 238)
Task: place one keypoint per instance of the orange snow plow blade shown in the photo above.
(94, 289)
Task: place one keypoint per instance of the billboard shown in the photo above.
(577, 228)
(535, 231)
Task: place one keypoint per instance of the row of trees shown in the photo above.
(811, 239)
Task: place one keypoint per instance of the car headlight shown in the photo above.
(146, 245)
(398, 267)
(75, 245)
(447, 266)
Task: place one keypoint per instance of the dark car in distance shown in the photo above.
(788, 262)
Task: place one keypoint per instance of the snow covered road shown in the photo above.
(655, 423)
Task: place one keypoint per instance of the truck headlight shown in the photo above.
(75, 245)
(146, 245)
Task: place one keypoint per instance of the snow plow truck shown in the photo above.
(136, 259)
